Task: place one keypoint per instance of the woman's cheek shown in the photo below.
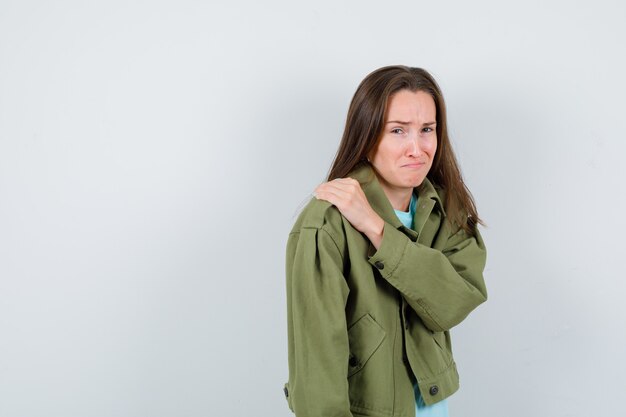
(433, 144)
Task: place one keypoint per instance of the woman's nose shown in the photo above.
(414, 147)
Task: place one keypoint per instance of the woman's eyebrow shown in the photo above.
(408, 123)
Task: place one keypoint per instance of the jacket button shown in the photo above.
(434, 390)
(379, 264)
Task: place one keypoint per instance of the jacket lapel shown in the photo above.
(427, 200)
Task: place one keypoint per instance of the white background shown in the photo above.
(154, 155)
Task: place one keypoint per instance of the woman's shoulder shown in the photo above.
(320, 214)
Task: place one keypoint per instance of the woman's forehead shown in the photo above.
(409, 107)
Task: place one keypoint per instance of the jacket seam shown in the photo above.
(393, 349)
(329, 235)
(363, 407)
(334, 242)
(432, 314)
(438, 374)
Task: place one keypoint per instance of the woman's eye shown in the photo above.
(397, 129)
(428, 129)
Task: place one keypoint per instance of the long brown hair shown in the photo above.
(364, 126)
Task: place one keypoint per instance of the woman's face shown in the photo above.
(406, 148)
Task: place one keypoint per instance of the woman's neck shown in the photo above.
(400, 198)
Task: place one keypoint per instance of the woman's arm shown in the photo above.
(318, 339)
(443, 287)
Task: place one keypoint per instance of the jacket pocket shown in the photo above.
(364, 336)
(440, 341)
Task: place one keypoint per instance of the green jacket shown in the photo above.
(364, 324)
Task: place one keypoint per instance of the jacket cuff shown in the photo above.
(390, 251)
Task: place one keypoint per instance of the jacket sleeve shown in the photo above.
(443, 287)
(318, 339)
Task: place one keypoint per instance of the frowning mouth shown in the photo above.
(417, 165)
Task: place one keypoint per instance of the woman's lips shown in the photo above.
(413, 165)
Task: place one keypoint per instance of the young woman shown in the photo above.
(384, 261)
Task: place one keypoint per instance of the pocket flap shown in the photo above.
(364, 336)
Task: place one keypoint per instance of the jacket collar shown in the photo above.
(428, 197)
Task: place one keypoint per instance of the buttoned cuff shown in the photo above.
(390, 251)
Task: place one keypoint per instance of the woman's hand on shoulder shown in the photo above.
(346, 194)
